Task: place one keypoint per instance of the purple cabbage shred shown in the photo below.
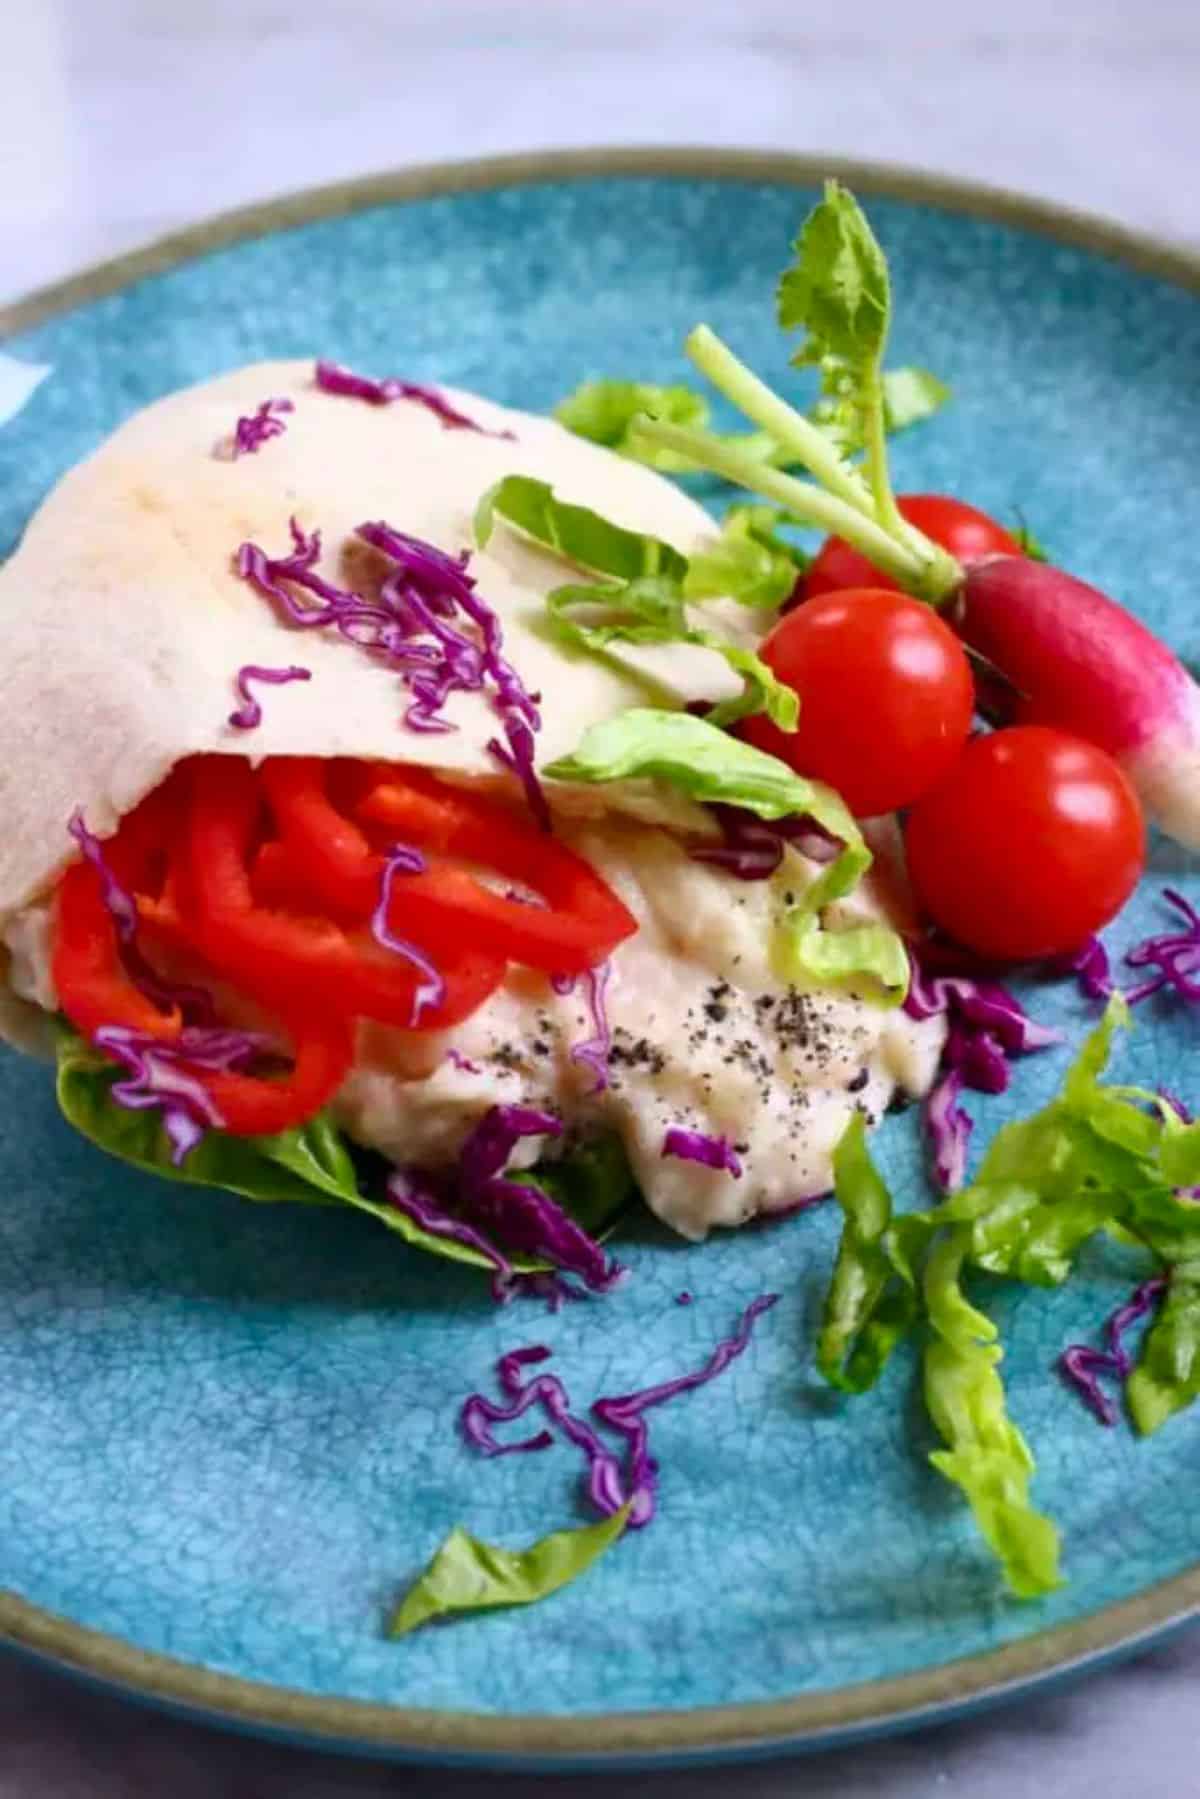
(1081, 1365)
(265, 423)
(752, 848)
(1090, 967)
(411, 1194)
(431, 989)
(332, 378)
(415, 627)
(158, 1075)
(1173, 955)
(698, 1146)
(249, 714)
(612, 1480)
(520, 1215)
(594, 1051)
(987, 1026)
(194, 1003)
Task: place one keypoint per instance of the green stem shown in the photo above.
(933, 577)
(886, 511)
(798, 436)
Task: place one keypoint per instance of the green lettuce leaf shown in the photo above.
(651, 610)
(467, 1575)
(911, 395)
(1167, 1376)
(690, 753)
(989, 1460)
(749, 562)
(575, 532)
(644, 600)
(871, 1302)
(987, 1456)
(604, 411)
(892, 1275)
(310, 1164)
(313, 1163)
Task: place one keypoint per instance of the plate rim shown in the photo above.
(603, 1739)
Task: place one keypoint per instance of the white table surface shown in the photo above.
(120, 119)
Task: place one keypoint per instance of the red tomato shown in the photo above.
(1033, 841)
(886, 696)
(963, 530)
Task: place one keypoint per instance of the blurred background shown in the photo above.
(120, 119)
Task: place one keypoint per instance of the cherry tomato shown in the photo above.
(1033, 841)
(963, 530)
(885, 696)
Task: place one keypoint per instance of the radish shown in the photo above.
(1084, 664)
(1078, 661)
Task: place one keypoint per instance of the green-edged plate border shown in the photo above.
(734, 1732)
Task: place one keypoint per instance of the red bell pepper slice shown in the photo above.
(275, 952)
(579, 922)
(95, 990)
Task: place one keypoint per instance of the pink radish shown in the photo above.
(1085, 665)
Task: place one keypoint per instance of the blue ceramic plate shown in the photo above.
(229, 1431)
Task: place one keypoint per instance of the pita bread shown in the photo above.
(125, 622)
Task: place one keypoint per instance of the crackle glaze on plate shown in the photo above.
(230, 1430)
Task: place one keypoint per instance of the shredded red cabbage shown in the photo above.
(1082, 1365)
(457, 1060)
(1173, 955)
(752, 847)
(948, 1131)
(684, 1298)
(412, 627)
(159, 1075)
(522, 1216)
(332, 378)
(252, 433)
(595, 1050)
(402, 859)
(626, 1413)
(987, 1025)
(697, 1146)
(609, 1485)
(412, 1194)
(195, 1004)
(249, 714)
(1090, 967)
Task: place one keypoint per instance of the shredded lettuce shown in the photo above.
(651, 610)
(467, 1575)
(692, 754)
(313, 1163)
(749, 561)
(871, 1303)
(1167, 1377)
(1098, 1157)
(575, 532)
(642, 597)
(605, 411)
(986, 1455)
